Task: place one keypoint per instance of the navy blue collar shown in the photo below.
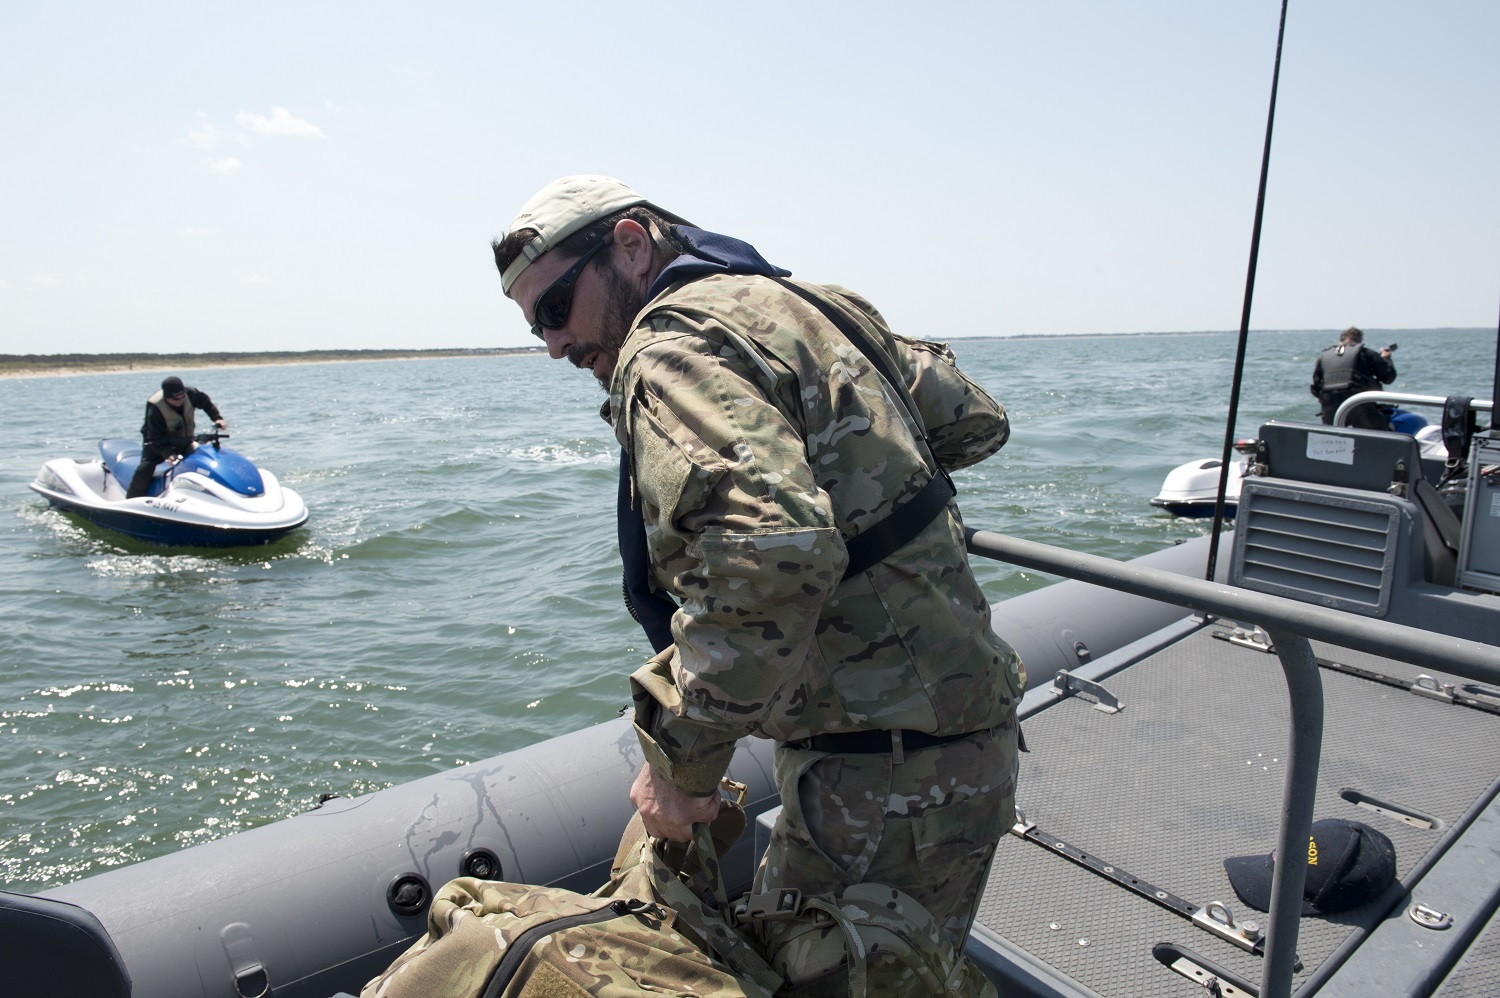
(711, 253)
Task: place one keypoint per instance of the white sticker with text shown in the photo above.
(1327, 447)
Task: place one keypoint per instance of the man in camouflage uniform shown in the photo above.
(760, 444)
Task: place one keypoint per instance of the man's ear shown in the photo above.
(633, 252)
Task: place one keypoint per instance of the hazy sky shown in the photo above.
(287, 176)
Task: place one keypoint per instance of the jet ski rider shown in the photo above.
(1348, 368)
(168, 429)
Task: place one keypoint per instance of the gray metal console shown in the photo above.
(1367, 536)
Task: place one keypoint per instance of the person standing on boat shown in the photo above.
(168, 429)
(1348, 368)
(763, 451)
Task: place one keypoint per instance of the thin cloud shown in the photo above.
(191, 232)
(226, 167)
(256, 279)
(280, 122)
(205, 136)
(208, 137)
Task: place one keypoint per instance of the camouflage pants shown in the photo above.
(927, 826)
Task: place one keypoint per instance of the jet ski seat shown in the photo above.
(74, 955)
(1341, 516)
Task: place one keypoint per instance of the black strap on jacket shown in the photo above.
(891, 534)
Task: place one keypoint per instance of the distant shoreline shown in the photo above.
(59, 365)
(54, 365)
(1371, 332)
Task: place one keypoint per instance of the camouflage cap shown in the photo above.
(565, 206)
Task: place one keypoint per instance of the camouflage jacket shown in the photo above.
(760, 438)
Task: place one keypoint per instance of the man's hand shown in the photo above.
(667, 812)
(222, 423)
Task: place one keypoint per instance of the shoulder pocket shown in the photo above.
(675, 472)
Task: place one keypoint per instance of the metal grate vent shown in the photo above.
(1330, 550)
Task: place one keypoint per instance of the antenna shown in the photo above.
(1239, 354)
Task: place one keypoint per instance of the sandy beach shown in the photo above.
(45, 366)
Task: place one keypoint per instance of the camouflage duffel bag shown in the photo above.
(493, 939)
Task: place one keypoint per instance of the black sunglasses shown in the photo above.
(554, 304)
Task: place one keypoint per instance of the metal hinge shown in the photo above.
(1426, 686)
(1067, 684)
(1218, 919)
(1254, 637)
(1209, 981)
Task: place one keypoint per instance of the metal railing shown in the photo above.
(1401, 398)
(1290, 624)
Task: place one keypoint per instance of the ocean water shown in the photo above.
(456, 591)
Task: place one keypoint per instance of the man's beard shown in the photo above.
(622, 303)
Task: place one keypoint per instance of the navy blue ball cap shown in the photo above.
(171, 386)
(1348, 866)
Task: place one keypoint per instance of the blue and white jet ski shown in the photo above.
(213, 497)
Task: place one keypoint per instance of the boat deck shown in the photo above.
(1192, 771)
(1478, 973)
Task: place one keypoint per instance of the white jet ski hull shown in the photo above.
(192, 510)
